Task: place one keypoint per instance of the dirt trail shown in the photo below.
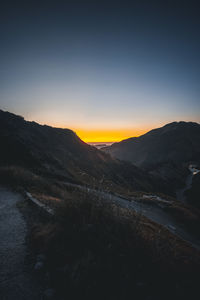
(16, 279)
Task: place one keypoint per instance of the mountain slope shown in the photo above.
(164, 152)
(59, 153)
(175, 142)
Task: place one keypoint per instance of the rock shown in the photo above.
(66, 269)
(140, 284)
(87, 227)
(47, 277)
(49, 293)
(40, 257)
(171, 227)
(39, 266)
(90, 228)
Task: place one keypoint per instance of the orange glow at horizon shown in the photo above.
(97, 135)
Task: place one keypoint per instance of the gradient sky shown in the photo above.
(106, 69)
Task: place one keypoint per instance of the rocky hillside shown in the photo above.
(174, 142)
(163, 151)
(60, 153)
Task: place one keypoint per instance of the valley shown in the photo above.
(180, 194)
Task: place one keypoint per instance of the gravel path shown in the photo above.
(16, 280)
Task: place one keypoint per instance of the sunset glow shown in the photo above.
(104, 70)
(100, 149)
(108, 135)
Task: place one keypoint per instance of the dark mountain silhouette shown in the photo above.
(164, 151)
(175, 142)
(60, 153)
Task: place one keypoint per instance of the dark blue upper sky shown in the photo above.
(101, 64)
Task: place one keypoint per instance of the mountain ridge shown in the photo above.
(165, 152)
(60, 153)
(135, 149)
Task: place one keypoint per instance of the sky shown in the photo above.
(108, 70)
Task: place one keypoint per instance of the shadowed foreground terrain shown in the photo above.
(91, 248)
(95, 249)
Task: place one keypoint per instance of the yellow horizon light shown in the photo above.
(95, 136)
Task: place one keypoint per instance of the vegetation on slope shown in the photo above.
(59, 154)
(95, 250)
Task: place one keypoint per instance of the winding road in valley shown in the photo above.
(151, 211)
(180, 194)
(158, 215)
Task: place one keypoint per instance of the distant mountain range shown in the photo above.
(155, 161)
(164, 151)
(60, 153)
